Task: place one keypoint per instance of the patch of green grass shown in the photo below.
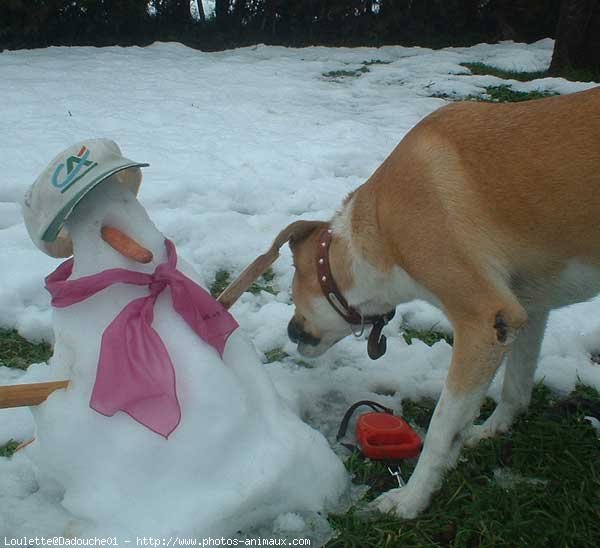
(375, 62)
(488, 70)
(264, 283)
(589, 392)
(447, 97)
(428, 337)
(275, 355)
(418, 412)
(15, 351)
(372, 473)
(8, 448)
(279, 354)
(223, 278)
(337, 74)
(303, 363)
(505, 94)
(579, 75)
(538, 486)
(569, 73)
(499, 94)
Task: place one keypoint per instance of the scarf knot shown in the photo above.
(160, 279)
(135, 373)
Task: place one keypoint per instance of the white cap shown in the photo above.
(64, 183)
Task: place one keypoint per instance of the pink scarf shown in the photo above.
(135, 373)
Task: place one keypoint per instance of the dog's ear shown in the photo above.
(302, 230)
(293, 233)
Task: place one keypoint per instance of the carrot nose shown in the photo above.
(125, 245)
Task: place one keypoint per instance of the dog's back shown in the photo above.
(531, 170)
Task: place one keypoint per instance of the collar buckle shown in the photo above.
(359, 334)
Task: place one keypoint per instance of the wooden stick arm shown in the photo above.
(24, 395)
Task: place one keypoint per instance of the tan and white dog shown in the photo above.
(489, 211)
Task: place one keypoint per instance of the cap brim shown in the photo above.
(51, 233)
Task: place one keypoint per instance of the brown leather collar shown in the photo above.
(377, 344)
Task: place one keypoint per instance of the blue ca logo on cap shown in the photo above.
(74, 165)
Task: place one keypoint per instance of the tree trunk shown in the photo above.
(505, 29)
(222, 12)
(577, 43)
(181, 11)
(201, 14)
(239, 11)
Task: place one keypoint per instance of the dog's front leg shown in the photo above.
(476, 358)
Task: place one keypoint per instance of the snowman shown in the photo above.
(169, 425)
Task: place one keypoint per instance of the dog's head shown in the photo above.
(315, 326)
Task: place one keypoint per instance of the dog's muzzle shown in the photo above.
(299, 336)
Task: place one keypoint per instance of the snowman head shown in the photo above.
(69, 178)
(111, 212)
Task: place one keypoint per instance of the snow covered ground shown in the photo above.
(241, 143)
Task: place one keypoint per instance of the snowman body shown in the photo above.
(239, 457)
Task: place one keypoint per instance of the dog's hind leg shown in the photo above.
(521, 363)
(480, 343)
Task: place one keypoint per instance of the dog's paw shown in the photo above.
(477, 433)
(499, 423)
(403, 502)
